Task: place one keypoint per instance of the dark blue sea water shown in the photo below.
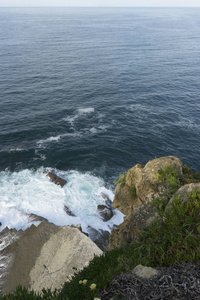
(93, 91)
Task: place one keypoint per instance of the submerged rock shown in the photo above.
(56, 179)
(68, 211)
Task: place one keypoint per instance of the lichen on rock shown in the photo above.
(138, 207)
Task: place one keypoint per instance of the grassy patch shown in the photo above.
(171, 178)
(122, 179)
(133, 193)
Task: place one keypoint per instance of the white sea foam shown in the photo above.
(81, 111)
(87, 110)
(28, 191)
(93, 130)
(48, 140)
(16, 149)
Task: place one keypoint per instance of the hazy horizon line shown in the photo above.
(94, 6)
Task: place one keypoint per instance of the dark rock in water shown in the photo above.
(105, 212)
(99, 237)
(69, 212)
(107, 199)
(56, 179)
(0, 223)
(35, 218)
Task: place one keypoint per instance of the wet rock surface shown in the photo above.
(99, 237)
(105, 212)
(68, 211)
(56, 179)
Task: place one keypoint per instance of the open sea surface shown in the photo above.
(88, 93)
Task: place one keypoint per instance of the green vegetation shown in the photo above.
(189, 175)
(133, 192)
(175, 237)
(171, 178)
(174, 180)
(122, 179)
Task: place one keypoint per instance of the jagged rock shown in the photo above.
(56, 179)
(183, 192)
(36, 218)
(134, 175)
(46, 256)
(130, 229)
(68, 211)
(123, 200)
(145, 181)
(148, 187)
(137, 206)
(108, 202)
(105, 212)
(78, 226)
(99, 237)
(145, 272)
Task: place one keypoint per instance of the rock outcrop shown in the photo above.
(130, 229)
(134, 196)
(144, 179)
(105, 212)
(46, 256)
(56, 179)
(183, 192)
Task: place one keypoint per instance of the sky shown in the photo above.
(146, 3)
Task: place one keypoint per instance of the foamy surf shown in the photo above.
(81, 112)
(31, 192)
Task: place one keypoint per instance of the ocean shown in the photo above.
(87, 93)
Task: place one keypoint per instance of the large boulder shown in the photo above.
(144, 180)
(134, 196)
(148, 188)
(123, 199)
(183, 193)
(46, 256)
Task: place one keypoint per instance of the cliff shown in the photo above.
(161, 203)
(137, 190)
